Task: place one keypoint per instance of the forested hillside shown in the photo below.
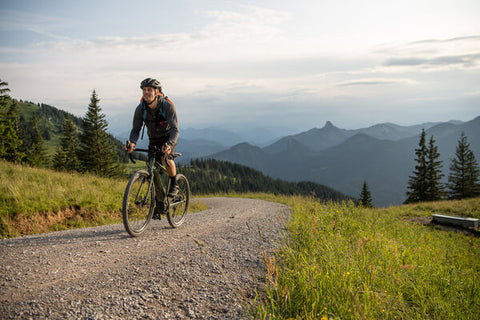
(213, 176)
(51, 121)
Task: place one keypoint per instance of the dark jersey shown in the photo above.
(161, 122)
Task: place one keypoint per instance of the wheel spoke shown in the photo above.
(179, 207)
(138, 203)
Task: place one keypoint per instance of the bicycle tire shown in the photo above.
(137, 212)
(178, 208)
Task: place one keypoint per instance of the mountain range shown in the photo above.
(382, 155)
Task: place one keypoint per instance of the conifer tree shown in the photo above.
(417, 184)
(96, 152)
(435, 189)
(463, 180)
(3, 91)
(11, 142)
(38, 154)
(66, 155)
(366, 196)
(20, 128)
(4, 124)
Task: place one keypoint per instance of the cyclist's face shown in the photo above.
(149, 94)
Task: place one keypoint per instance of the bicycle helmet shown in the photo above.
(150, 82)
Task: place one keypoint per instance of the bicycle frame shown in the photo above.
(156, 172)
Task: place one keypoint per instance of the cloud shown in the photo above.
(455, 40)
(254, 23)
(466, 61)
(375, 82)
(14, 21)
(462, 53)
(228, 35)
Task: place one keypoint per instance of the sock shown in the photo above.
(173, 182)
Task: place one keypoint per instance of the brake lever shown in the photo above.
(130, 155)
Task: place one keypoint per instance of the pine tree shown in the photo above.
(417, 184)
(366, 196)
(3, 91)
(11, 143)
(96, 152)
(463, 180)
(435, 189)
(38, 154)
(66, 157)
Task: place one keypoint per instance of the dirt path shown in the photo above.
(208, 268)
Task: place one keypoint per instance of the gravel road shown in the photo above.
(209, 268)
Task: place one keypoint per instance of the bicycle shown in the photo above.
(146, 195)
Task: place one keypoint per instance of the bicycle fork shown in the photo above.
(144, 200)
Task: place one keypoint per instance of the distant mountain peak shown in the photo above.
(328, 125)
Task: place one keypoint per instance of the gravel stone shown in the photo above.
(208, 268)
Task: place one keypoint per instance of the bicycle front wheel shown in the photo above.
(138, 203)
(179, 204)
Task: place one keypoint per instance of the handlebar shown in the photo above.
(155, 150)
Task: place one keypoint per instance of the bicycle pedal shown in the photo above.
(157, 213)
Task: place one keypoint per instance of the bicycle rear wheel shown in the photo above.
(138, 203)
(179, 204)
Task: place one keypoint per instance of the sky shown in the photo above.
(285, 66)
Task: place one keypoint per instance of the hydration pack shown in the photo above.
(160, 109)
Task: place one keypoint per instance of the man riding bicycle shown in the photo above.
(158, 114)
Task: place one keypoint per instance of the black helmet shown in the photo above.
(150, 82)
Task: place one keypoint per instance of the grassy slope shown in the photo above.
(345, 262)
(38, 200)
(34, 200)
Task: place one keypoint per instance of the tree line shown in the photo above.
(213, 176)
(85, 145)
(425, 184)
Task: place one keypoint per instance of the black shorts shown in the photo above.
(159, 142)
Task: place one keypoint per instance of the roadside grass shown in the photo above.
(462, 208)
(35, 200)
(340, 261)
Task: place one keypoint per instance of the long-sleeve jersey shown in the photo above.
(160, 125)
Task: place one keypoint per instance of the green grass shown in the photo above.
(34, 200)
(25, 190)
(344, 262)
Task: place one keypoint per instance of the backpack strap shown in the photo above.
(162, 107)
(144, 111)
(144, 115)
